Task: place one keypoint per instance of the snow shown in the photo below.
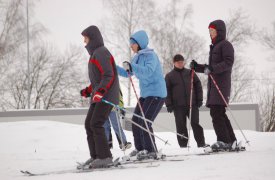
(42, 146)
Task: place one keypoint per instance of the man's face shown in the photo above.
(213, 33)
(86, 40)
(179, 64)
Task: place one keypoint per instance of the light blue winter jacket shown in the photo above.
(146, 67)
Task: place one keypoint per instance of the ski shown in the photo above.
(116, 165)
(236, 147)
(30, 173)
(203, 153)
(208, 151)
(162, 158)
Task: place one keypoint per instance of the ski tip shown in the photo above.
(26, 173)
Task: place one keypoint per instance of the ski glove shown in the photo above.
(86, 92)
(127, 66)
(193, 64)
(97, 97)
(170, 109)
(207, 69)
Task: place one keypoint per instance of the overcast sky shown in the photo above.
(65, 20)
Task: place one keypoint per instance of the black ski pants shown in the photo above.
(97, 115)
(181, 112)
(221, 124)
(151, 107)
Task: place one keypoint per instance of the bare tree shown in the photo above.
(13, 37)
(66, 81)
(266, 97)
(268, 39)
(125, 18)
(12, 34)
(171, 35)
(55, 80)
(240, 31)
(13, 26)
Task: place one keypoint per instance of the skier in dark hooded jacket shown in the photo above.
(104, 84)
(221, 59)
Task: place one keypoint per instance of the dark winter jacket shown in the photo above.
(178, 83)
(102, 68)
(221, 59)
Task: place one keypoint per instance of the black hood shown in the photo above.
(221, 30)
(96, 40)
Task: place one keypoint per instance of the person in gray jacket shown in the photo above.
(103, 84)
(178, 83)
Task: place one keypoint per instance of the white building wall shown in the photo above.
(247, 116)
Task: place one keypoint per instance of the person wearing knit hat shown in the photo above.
(221, 60)
(178, 83)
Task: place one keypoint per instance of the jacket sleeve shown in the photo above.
(147, 69)
(90, 89)
(121, 71)
(168, 100)
(200, 68)
(105, 64)
(198, 88)
(228, 59)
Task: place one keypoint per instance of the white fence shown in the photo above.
(247, 116)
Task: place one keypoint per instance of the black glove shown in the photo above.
(127, 66)
(199, 104)
(193, 64)
(170, 109)
(207, 69)
(85, 92)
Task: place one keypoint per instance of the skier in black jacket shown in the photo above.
(104, 84)
(178, 83)
(221, 59)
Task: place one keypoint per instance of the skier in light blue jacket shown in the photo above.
(145, 65)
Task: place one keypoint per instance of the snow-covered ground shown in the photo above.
(42, 146)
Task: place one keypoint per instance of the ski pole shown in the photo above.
(117, 106)
(141, 110)
(147, 120)
(120, 130)
(190, 108)
(125, 110)
(165, 142)
(228, 107)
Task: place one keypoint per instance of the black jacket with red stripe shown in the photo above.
(102, 68)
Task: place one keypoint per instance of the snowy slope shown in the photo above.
(42, 146)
